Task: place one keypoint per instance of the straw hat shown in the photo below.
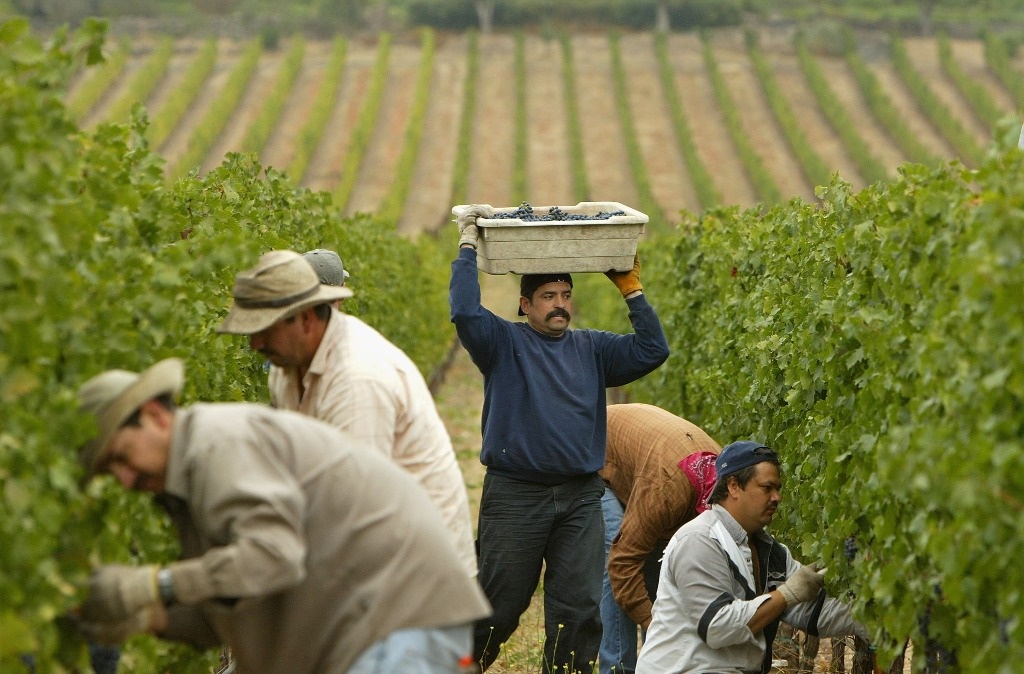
(113, 396)
(328, 266)
(281, 284)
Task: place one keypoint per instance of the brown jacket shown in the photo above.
(299, 550)
(645, 445)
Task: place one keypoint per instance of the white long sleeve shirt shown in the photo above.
(363, 384)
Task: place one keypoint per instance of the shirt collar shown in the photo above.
(335, 331)
(181, 430)
(737, 532)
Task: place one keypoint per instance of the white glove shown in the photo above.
(804, 585)
(117, 592)
(465, 217)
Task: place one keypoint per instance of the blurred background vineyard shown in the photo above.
(402, 108)
(859, 145)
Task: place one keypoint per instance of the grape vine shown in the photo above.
(876, 343)
(105, 265)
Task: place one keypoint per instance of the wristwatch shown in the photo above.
(165, 585)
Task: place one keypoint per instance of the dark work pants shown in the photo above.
(523, 526)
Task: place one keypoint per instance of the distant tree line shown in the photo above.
(488, 14)
(332, 16)
(441, 14)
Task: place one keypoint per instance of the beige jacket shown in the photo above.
(645, 446)
(361, 383)
(300, 549)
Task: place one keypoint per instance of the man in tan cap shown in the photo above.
(335, 367)
(299, 552)
(328, 266)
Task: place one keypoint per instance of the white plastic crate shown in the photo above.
(550, 246)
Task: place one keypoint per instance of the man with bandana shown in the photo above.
(659, 470)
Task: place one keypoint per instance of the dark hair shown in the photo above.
(742, 477)
(323, 312)
(529, 283)
(166, 401)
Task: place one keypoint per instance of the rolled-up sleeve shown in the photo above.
(827, 617)
(643, 525)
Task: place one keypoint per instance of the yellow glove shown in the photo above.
(118, 591)
(627, 281)
(112, 633)
(465, 217)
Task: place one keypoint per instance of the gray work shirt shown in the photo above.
(706, 597)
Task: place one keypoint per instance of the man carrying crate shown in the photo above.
(544, 428)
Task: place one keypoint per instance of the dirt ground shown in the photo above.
(435, 164)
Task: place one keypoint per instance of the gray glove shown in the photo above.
(113, 633)
(804, 585)
(118, 591)
(465, 217)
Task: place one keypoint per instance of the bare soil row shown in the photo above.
(549, 170)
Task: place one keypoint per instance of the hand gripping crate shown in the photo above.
(542, 246)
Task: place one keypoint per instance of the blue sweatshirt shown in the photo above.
(544, 418)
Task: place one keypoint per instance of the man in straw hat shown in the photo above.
(299, 551)
(544, 428)
(335, 367)
(726, 583)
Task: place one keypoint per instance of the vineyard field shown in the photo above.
(547, 157)
(867, 326)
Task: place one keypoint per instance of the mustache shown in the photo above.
(558, 312)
